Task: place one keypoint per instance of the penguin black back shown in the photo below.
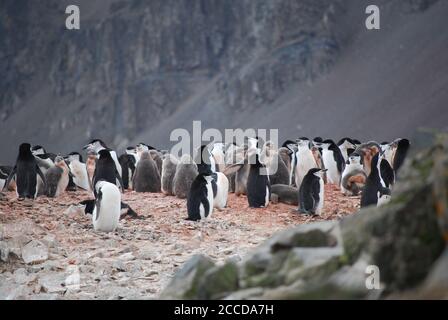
(258, 185)
(197, 196)
(105, 170)
(26, 170)
(310, 192)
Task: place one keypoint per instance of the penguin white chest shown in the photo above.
(331, 165)
(222, 184)
(305, 162)
(321, 197)
(210, 200)
(108, 216)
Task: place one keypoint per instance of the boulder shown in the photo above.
(34, 252)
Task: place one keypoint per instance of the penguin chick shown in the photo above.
(186, 172)
(146, 176)
(57, 178)
(169, 165)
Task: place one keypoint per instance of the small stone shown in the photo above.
(127, 257)
(34, 252)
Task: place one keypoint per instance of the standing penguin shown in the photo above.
(333, 161)
(353, 178)
(311, 192)
(169, 165)
(26, 171)
(347, 147)
(157, 157)
(146, 176)
(106, 213)
(186, 172)
(305, 160)
(79, 171)
(258, 184)
(98, 145)
(127, 163)
(374, 187)
(105, 169)
(200, 197)
(4, 173)
(57, 178)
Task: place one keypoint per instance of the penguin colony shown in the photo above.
(294, 173)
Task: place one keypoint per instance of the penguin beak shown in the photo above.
(324, 170)
(86, 147)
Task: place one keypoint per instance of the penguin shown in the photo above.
(311, 192)
(333, 161)
(127, 163)
(217, 152)
(278, 172)
(205, 162)
(186, 172)
(374, 187)
(367, 151)
(402, 148)
(44, 161)
(105, 169)
(4, 173)
(25, 171)
(354, 177)
(107, 209)
(242, 174)
(200, 197)
(169, 165)
(285, 193)
(57, 178)
(146, 176)
(157, 157)
(285, 155)
(347, 147)
(97, 145)
(305, 160)
(293, 148)
(79, 171)
(38, 150)
(92, 157)
(258, 184)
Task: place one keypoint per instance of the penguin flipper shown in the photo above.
(120, 180)
(98, 203)
(10, 176)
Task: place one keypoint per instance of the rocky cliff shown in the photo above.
(138, 69)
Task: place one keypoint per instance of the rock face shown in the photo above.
(405, 240)
(139, 69)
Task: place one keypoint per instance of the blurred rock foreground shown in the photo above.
(327, 260)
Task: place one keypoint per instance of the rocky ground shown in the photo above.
(48, 244)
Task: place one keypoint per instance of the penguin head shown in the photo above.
(354, 158)
(348, 143)
(131, 150)
(95, 145)
(304, 143)
(25, 150)
(327, 143)
(36, 150)
(288, 142)
(74, 156)
(318, 172)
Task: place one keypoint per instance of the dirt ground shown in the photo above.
(138, 260)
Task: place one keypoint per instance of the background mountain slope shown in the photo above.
(139, 69)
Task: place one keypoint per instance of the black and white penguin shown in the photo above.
(200, 197)
(186, 172)
(218, 154)
(333, 161)
(258, 184)
(347, 147)
(374, 187)
(311, 192)
(127, 163)
(57, 178)
(25, 171)
(305, 160)
(105, 169)
(354, 177)
(79, 171)
(107, 210)
(146, 176)
(97, 145)
(285, 194)
(206, 163)
(169, 165)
